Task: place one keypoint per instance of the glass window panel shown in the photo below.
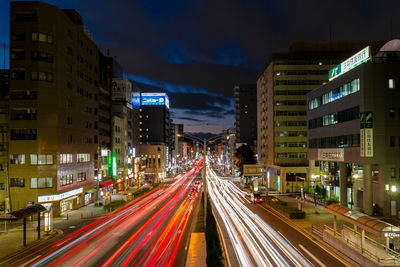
(34, 183)
(34, 159)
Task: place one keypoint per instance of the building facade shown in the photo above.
(245, 96)
(354, 131)
(53, 138)
(281, 107)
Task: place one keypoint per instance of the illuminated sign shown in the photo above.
(334, 154)
(154, 99)
(114, 166)
(350, 63)
(60, 196)
(135, 99)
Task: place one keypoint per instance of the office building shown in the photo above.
(154, 119)
(354, 131)
(281, 107)
(53, 140)
(245, 96)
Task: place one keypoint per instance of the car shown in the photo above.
(257, 198)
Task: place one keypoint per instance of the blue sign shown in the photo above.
(135, 99)
(154, 99)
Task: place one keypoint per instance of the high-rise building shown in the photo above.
(354, 131)
(245, 96)
(281, 106)
(53, 139)
(154, 118)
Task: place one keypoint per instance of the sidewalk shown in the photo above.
(11, 240)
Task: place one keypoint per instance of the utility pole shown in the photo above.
(205, 181)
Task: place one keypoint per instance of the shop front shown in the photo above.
(63, 202)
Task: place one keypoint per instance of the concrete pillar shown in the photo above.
(367, 193)
(343, 184)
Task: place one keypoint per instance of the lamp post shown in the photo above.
(390, 190)
(313, 176)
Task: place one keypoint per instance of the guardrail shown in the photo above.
(317, 230)
(393, 260)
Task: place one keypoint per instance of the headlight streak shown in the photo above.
(253, 230)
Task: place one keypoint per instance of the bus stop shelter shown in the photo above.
(23, 214)
(364, 222)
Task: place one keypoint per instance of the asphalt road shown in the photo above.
(147, 231)
(254, 236)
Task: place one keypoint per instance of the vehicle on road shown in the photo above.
(257, 198)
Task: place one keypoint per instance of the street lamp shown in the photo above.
(314, 177)
(390, 190)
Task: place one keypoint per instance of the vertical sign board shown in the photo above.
(366, 135)
(369, 136)
(362, 135)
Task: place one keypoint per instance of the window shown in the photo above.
(392, 172)
(42, 56)
(17, 159)
(41, 76)
(65, 158)
(45, 182)
(18, 36)
(391, 83)
(66, 179)
(23, 134)
(17, 182)
(83, 157)
(392, 112)
(18, 75)
(69, 120)
(392, 141)
(337, 93)
(17, 54)
(2, 186)
(81, 177)
(41, 159)
(42, 37)
(24, 15)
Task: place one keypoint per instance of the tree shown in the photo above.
(244, 155)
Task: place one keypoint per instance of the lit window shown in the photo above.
(391, 83)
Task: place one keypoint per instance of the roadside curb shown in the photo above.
(32, 244)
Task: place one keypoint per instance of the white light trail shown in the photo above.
(254, 241)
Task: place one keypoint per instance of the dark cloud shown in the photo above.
(189, 119)
(208, 46)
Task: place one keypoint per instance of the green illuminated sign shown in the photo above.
(114, 166)
(350, 63)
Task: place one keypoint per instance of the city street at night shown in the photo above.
(147, 231)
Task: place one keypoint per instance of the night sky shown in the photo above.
(197, 50)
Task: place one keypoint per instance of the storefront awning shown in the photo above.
(368, 223)
(106, 183)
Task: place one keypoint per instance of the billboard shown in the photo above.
(350, 63)
(154, 99)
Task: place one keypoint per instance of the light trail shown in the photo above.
(255, 243)
(86, 246)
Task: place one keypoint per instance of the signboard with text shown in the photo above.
(59, 196)
(331, 154)
(366, 134)
(154, 99)
(350, 63)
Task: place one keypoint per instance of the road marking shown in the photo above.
(32, 260)
(312, 255)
